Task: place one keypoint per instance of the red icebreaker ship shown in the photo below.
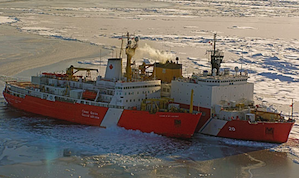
(226, 103)
(133, 100)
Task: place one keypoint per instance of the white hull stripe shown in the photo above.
(213, 127)
(204, 126)
(112, 117)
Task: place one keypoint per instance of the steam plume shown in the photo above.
(148, 52)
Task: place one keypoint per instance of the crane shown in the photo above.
(70, 71)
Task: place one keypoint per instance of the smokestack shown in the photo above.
(113, 69)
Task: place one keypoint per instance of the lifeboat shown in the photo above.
(89, 95)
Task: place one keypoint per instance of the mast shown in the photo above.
(121, 48)
(292, 109)
(216, 58)
(120, 54)
(214, 52)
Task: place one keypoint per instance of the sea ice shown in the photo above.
(4, 19)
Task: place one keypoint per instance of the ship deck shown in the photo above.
(22, 84)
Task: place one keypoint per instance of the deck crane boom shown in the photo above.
(70, 71)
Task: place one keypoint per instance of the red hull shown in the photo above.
(72, 112)
(181, 125)
(204, 117)
(277, 132)
(261, 131)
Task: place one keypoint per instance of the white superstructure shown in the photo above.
(119, 94)
(213, 90)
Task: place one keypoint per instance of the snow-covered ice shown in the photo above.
(258, 36)
(4, 19)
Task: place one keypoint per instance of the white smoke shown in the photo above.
(148, 52)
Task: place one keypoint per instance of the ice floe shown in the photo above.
(4, 19)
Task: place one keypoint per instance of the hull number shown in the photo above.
(231, 129)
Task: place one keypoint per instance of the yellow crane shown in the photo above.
(130, 52)
(191, 102)
(155, 104)
(70, 72)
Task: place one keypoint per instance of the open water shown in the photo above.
(37, 146)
